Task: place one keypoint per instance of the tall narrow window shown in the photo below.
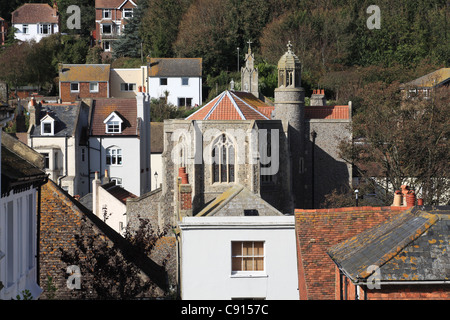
(223, 160)
(114, 156)
(247, 256)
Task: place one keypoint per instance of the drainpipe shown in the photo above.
(65, 161)
(313, 135)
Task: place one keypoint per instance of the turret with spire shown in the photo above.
(249, 74)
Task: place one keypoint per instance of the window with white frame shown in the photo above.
(247, 256)
(163, 81)
(45, 28)
(106, 45)
(114, 156)
(118, 181)
(127, 13)
(74, 87)
(113, 127)
(223, 160)
(127, 87)
(106, 13)
(25, 29)
(47, 126)
(184, 81)
(93, 87)
(106, 28)
(46, 160)
(184, 102)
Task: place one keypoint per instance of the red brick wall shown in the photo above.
(317, 231)
(67, 96)
(392, 292)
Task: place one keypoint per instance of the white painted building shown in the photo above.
(34, 21)
(119, 141)
(56, 132)
(178, 79)
(238, 257)
(21, 179)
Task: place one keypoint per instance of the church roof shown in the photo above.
(233, 105)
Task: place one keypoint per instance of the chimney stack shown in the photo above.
(95, 185)
(184, 194)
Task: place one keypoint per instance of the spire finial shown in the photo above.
(289, 45)
(249, 46)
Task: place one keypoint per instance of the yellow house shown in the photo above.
(125, 82)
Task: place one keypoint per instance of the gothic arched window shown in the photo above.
(223, 160)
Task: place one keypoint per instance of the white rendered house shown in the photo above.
(34, 21)
(236, 257)
(178, 79)
(21, 178)
(119, 141)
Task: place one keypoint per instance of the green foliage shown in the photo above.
(50, 288)
(87, 15)
(26, 295)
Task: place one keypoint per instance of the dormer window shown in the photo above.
(47, 126)
(113, 123)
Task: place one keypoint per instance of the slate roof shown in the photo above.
(238, 201)
(320, 229)
(175, 67)
(413, 246)
(118, 192)
(21, 165)
(125, 108)
(34, 13)
(232, 105)
(65, 116)
(431, 79)
(84, 72)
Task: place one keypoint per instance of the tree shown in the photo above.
(402, 142)
(13, 70)
(113, 269)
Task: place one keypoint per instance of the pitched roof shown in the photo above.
(319, 230)
(21, 165)
(327, 112)
(175, 67)
(413, 246)
(84, 72)
(118, 192)
(34, 13)
(238, 201)
(431, 79)
(109, 4)
(232, 105)
(65, 116)
(126, 108)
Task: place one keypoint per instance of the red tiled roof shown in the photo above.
(327, 112)
(231, 105)
(319, 230)
(126, 108)
(34, 13)
(110, 4)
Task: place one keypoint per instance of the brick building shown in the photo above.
(66, 225)
(84, 81)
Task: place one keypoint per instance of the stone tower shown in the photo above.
(249, 74)
(289, 108)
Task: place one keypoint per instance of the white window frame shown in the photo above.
(78, 87)
(241, 257)
(113, 127)
(49, 28)
(184, 81)
(124, 15)
(114, 154)
(163, 79)
(45, 122)
(119, 181)
(107, 46)
(109, 11)
(103, 28)
(25, 29)
(95, 89)
(127, 87)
